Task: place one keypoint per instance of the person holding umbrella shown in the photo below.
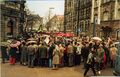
(12, 52)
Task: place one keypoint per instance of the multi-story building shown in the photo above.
(93, 17)
(85, 7)
(107, 15)
(56, 23)
(78, 16)
(69, 16)
(12, 18)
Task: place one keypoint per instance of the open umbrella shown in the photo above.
(18, 43)
(69, 35)
(31, 42)
(60, 34)
(31, 39)
(97, 38)
(4, 43)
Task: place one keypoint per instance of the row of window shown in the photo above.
(85, 25)
(85, 13)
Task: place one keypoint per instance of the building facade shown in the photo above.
(93, 17)
(107, 17)
(12, 18)
(78, 16)
(85, 10)
(69, 16)
(56, 23)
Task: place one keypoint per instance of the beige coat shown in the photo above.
(113, 53)
(56, 56)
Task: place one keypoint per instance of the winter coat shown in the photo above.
(70, 49)
(100, 55)
(56, 56)
(24, 53)
(31, 50)
(85, 52)
(50, 53)
(13, 51)
(113, 53)
(42, 51)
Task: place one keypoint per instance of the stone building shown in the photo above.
(99, 17)
(78, 16)
(107, 17)
(12, 18)
(56, 23)
(69, 16)
(85, 8)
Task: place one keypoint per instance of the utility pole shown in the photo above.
(78, 27)
(94, 27)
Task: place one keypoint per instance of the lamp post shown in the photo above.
(78, 27)
(94, 28)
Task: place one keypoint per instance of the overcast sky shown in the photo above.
(41, 7)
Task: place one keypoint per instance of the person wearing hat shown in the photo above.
(4, 55)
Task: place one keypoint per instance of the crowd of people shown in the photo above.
(57, 52)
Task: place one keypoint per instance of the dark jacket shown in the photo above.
(12, 51)
(42, 51)
(50, 53)
(31, 50)
(85, 52)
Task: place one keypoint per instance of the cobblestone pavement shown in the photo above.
(23, 71)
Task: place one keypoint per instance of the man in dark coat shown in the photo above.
(42, 54)
(4, 53)
(85, 53)
(24, 54)
(50, 53)
(31, 55)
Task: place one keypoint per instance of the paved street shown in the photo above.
(23, 71)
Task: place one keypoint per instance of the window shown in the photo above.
(105, 16)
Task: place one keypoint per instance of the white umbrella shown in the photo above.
(4, 43)
(31, 39)
(97, 38)
(31, 42)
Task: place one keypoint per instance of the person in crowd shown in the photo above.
(36, 54)
(70, 55)
(113, 54)
(4, 54)
(90, 63)
(78, 54)
(75, 54)
(56, 57)
(12, 53)
(66, 55)
(85, 51)
(31, 55)
(42, 55)
(106, 54)
(24, 53)
(50, 53)
(61, 54)
(99, 58)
